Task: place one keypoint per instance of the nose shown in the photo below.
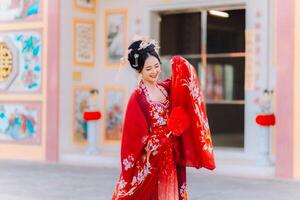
(156, 70)
(153, 71)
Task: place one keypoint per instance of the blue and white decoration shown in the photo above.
(27, 56)
(19, 123)
(11, 10)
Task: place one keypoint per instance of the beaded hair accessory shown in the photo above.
(136, 61)
(146, 42)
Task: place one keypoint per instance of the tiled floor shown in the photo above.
(41, 181)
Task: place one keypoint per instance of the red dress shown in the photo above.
(153, 163)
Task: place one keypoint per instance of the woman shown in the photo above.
(153, 159)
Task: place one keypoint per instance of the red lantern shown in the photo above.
(88, 116)
(178, 121)
(266, 120)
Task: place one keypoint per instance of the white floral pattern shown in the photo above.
(152, 146)
(122, 183)
(183, 190)
(145, 139)
(158, 110)
(128, 162)
(196, 94)
(141, 168)
(142, 174)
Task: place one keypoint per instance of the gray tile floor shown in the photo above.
(42, 181)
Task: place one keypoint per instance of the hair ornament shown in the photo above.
(136, 57)
(124, 59)
(146, 41)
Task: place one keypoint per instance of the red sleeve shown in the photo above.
(194, 147)
(135, 131)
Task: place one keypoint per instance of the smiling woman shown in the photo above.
(151, 70)
(150, 152)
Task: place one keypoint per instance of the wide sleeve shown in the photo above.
(135, 131)
(194, 147)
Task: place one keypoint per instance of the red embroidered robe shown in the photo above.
(153, 163)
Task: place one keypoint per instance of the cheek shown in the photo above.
(159, 69)
(145, 73)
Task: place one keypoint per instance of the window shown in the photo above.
(181, 34)
(226, 34)
(215, 45)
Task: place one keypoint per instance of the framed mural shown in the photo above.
(84, 42)
(17, 10)
(21, 61)
(85, 5)
(115, 33)
(20, 123)
(115, 99)
(22, 74)
(80, 104)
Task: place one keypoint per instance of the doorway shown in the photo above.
(213, 41)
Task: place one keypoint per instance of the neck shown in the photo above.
(149, 84)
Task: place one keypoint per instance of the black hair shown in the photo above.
(142, 53)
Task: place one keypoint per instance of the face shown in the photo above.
(151, 69)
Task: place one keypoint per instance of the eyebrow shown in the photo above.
(151, 66)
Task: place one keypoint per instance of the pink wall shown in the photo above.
(52, 145)
(284, 88)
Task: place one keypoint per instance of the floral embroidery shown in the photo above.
(159, 115)
(152, 146)
(143, 169)
(128, 162)
(136, 181)
(197, 96)
(122, 183)
(144, 166)
(144, 139)
(120, 188)
(183, 191)
(158, 110)
(206, 139)
(142, 174)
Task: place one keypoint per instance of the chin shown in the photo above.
(154, 79)
(151, 80)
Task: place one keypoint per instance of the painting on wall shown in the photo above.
(20, 123)
(115, 36)
(84, 43)
(16, 10)
(85, 5)
(80, 104)
(20, 61)
(114, 107)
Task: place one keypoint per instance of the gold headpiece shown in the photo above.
(146, 41)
